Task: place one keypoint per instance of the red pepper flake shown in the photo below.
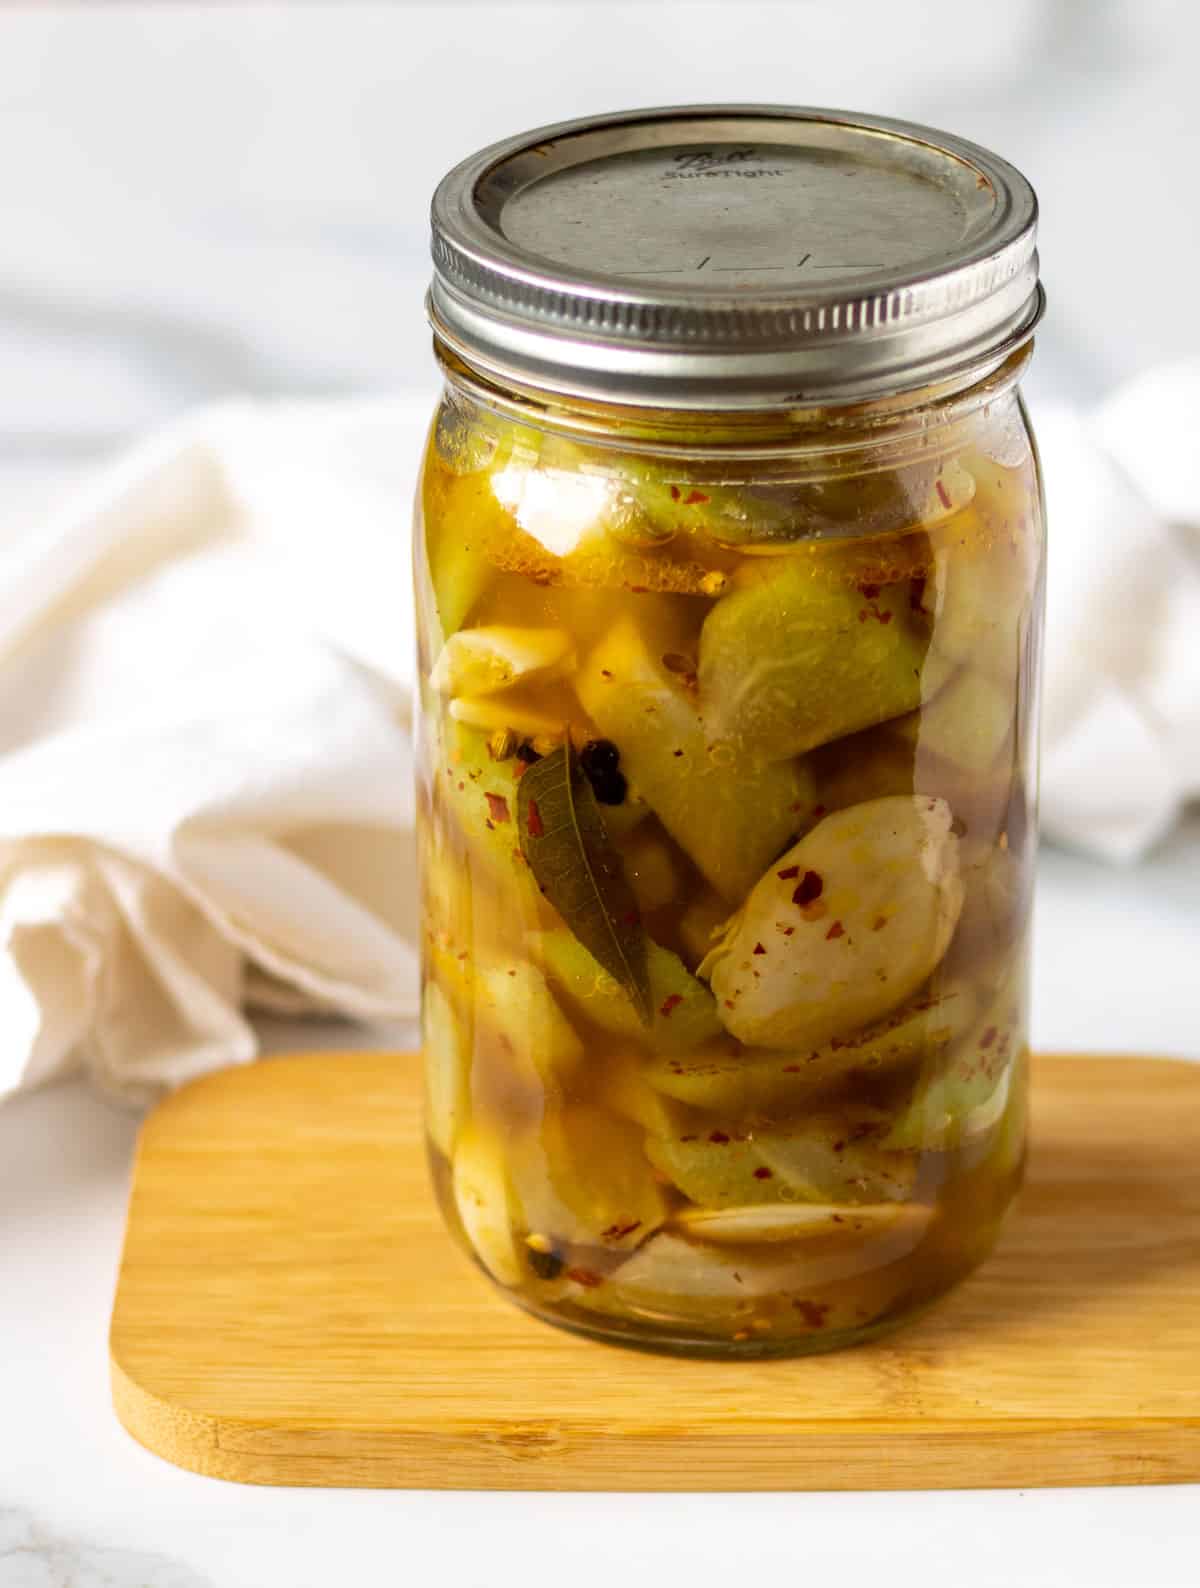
(676, 752)
(586, 1277)
(813, 1312)
(878, 924)
(639, 589)
(788, 873)
(630, 918)
(943, 494)
(618, 1232)
(818, 811)
(759, 949)
(729, 1003)
(988, 1037)
(792, 1069)
(671, 1001)
(839, 1146)
(811, 887)
(763, 1173)
(874, 611)
(694, 498)
(461, 785)
(535, 820)
(718, 1137)
(836, 930)
(605, 673)
(788, 930)
(688, 1138)
(675, 493)
(869, 592)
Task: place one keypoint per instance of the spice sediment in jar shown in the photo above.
(725, 873)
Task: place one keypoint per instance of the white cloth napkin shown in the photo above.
(205, 665)
(205, 772)
(1121, 722)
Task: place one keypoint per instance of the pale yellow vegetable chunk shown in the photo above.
(795, 658)
(481, 661)
(683, 1014)
(768, 1224)
(843, 928)
(740, 1083)
(483, 1197)
(447, 1068)
(583, 1178)
(730, 812)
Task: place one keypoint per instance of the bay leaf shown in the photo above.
(563, 838)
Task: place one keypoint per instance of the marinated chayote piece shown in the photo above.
(484, 1200)
(659, 502)
(981, 592)
(745, 1083)
(515, 1000)
(583, 1179)
(650, 867)
(870, 765)
(731, 813)
(966, 1094)
(447, 1068)
(481, 792)
(701, 923)
(830, 1157)
(509, 1002)
(460, 517)
(684, 1015)
(795, 657)
(968, 724)
(843, 928)
(752, 1293)
(621, 1085)
(480, 661)
(826, 1226)
(998, 884)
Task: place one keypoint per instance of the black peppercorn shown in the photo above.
(599, 759)
(546, 1265)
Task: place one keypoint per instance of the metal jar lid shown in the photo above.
(733, 256)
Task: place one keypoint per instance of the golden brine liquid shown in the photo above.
(726, 842)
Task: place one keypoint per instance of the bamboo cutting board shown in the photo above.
(290, 1311)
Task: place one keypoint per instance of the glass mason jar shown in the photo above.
(729, 601)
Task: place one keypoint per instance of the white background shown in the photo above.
(202, 200)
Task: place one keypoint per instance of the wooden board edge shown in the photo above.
(585, 1460)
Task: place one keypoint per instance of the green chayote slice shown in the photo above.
(730, 812)
(831, 1157)
(746, 1083)
(447, 1058)
(794, 658)
(684, 1015)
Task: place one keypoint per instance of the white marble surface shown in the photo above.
(81, 1506)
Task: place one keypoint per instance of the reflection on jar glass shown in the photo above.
(727, 774)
